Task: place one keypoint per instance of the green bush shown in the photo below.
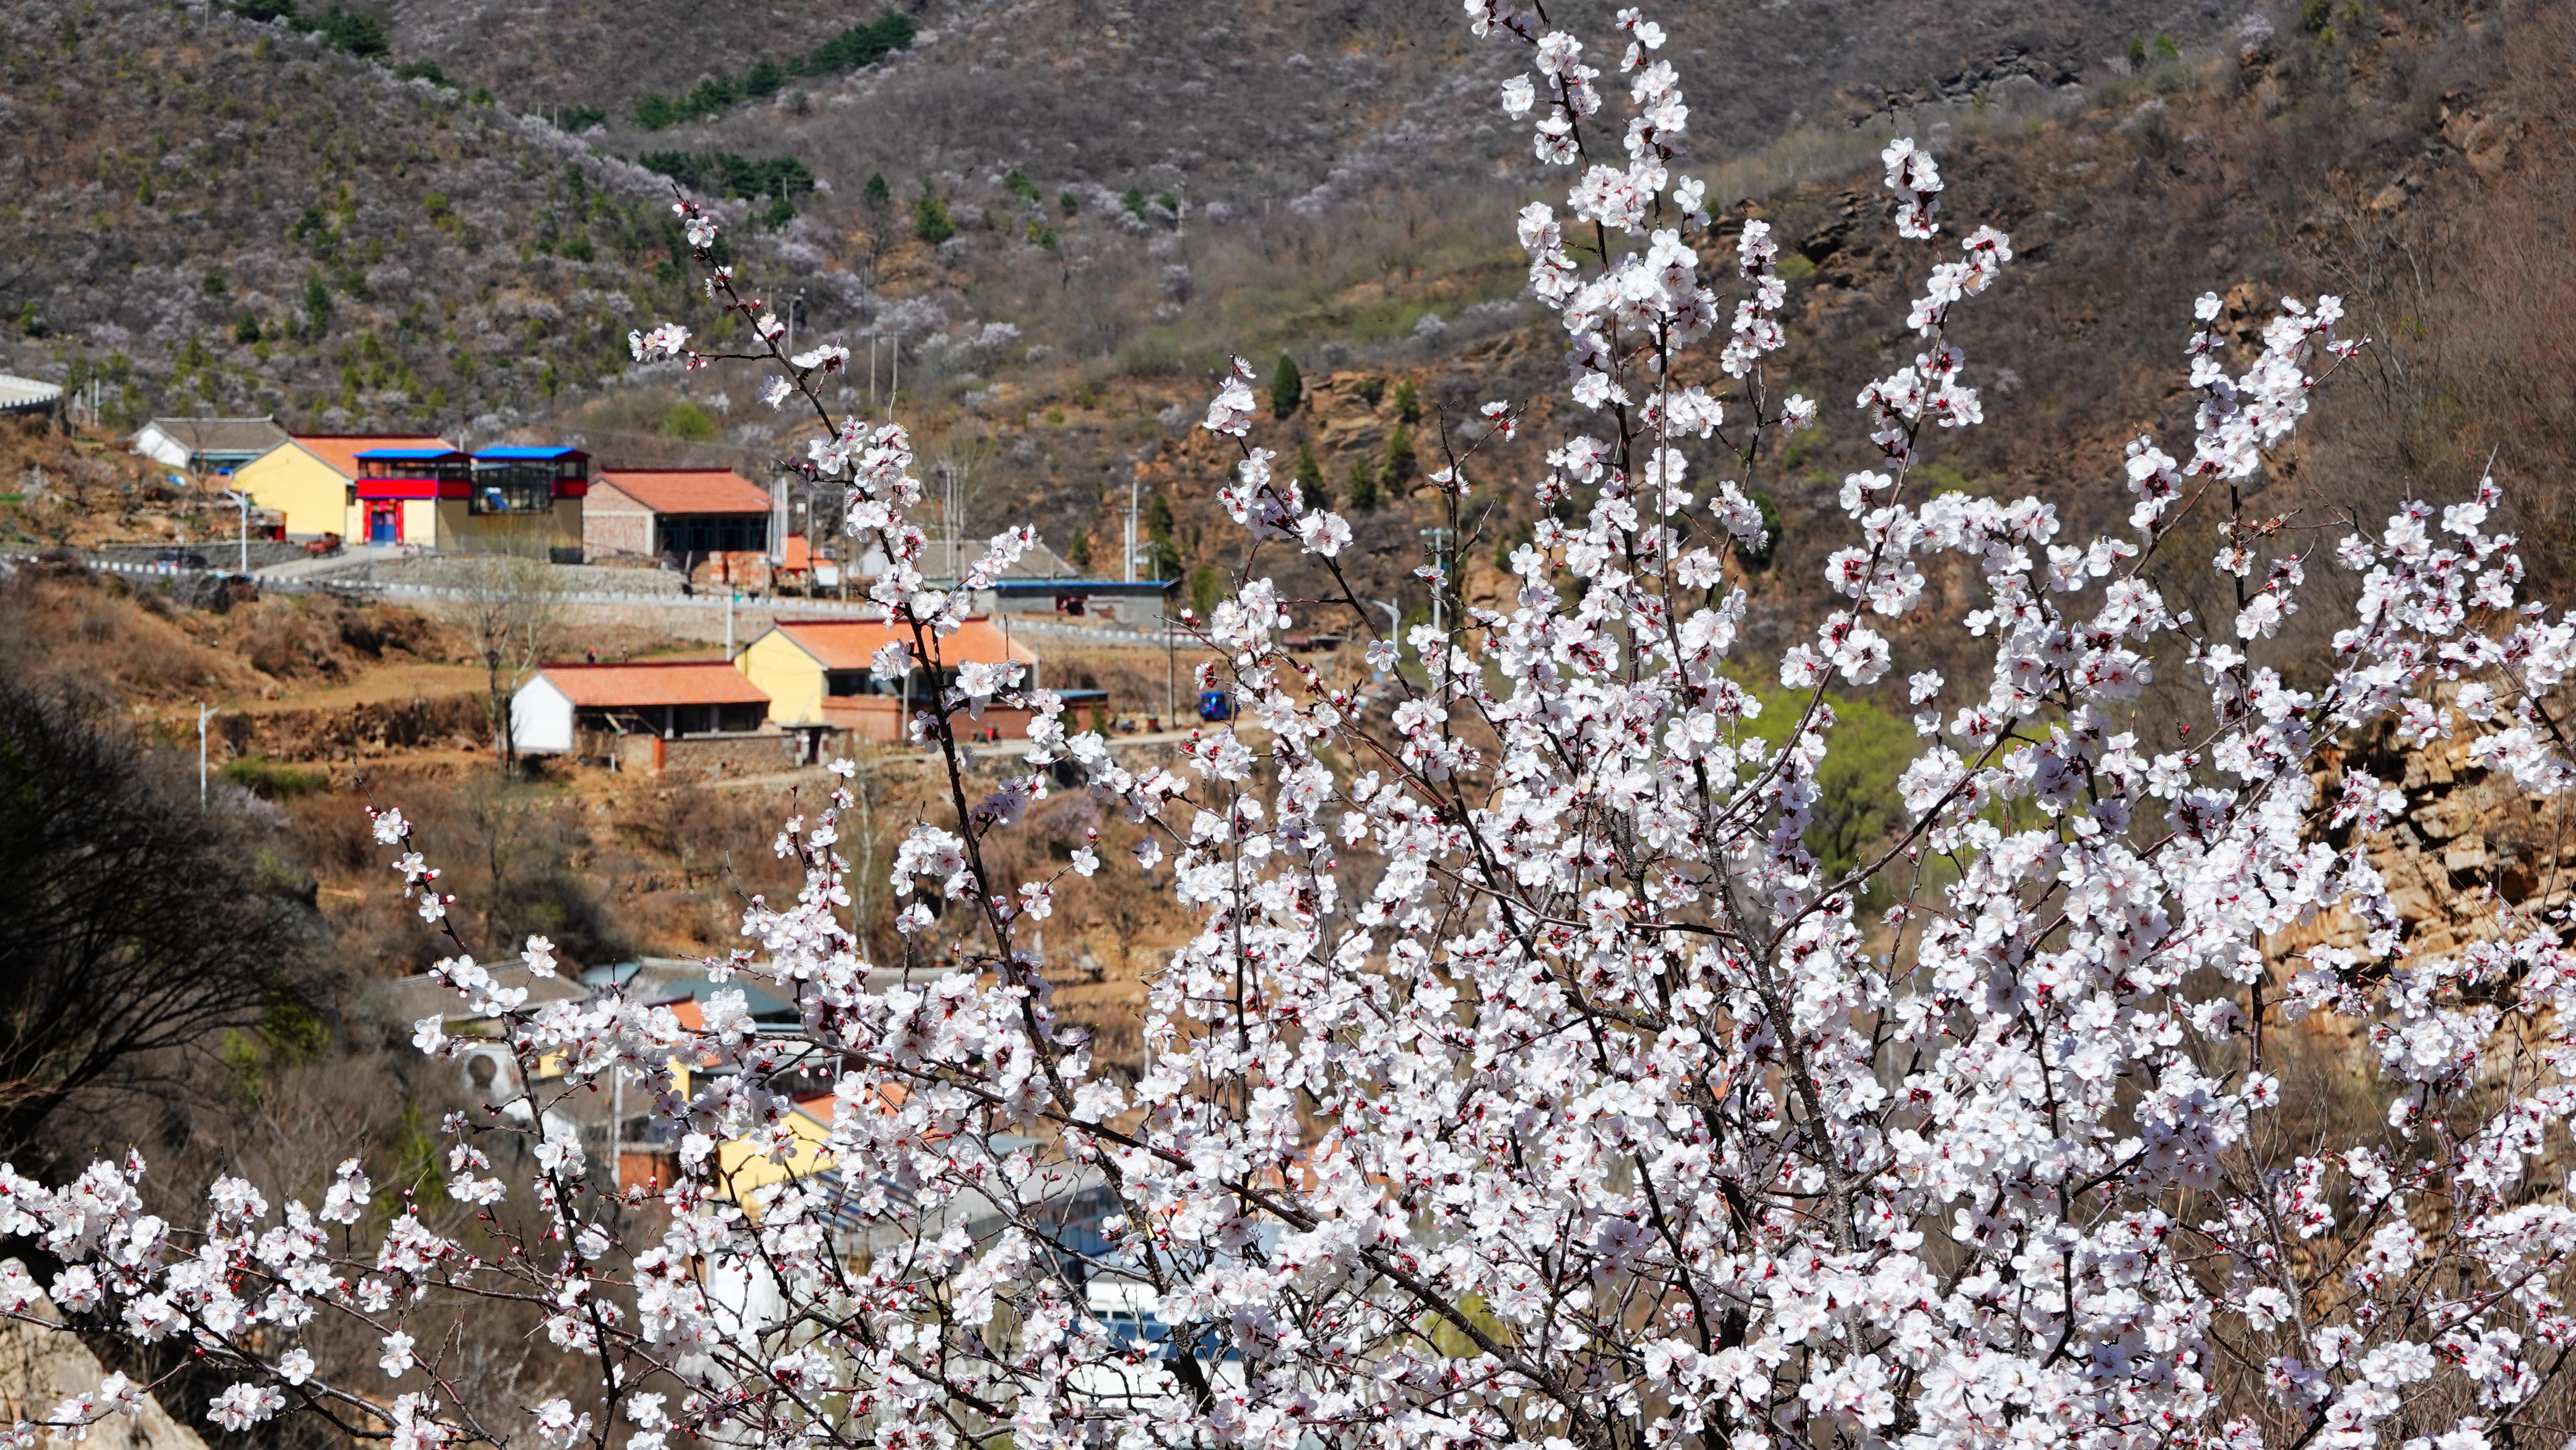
(1408, 406)
(930, 220)
(689, 423)
(274, 779)
(1856, 807)
(1017, 183)
(423, 70)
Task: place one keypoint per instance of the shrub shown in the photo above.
(689, 423)
(275, 779)
(930, 220)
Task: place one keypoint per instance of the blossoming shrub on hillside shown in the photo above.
(1530, 1078)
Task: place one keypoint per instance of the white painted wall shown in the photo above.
(541, 718)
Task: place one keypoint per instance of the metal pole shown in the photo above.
(1131, 528)
(731, 594)
(202, 712)
(1171, 654)
(243, 500)
(616, 1127)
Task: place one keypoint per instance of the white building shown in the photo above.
(207, 445)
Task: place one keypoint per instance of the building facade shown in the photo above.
(682, 514)
(205, 446)
(312, 478)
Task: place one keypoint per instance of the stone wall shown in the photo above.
(708, 757)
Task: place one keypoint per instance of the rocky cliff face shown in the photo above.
(39, 1368)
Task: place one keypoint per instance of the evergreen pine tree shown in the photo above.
(1287, 389)
(1408, 406)
(1363, 484)
(1310, 479)
(1399, 457)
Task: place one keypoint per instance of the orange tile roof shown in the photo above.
(798, 555)
(341, 450)
(689, 490)
(684, 682)
(851, 644)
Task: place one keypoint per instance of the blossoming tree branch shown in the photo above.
(1528, 1079)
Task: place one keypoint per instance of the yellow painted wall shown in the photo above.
(311, 493)
(742, 1167)
(793, 678)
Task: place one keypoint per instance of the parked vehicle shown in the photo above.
(1215, 705)
(324, 546)
(178, 559)
(1127, 1308)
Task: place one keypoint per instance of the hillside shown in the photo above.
(213, 215)
(1275, 180)
(1252, 105)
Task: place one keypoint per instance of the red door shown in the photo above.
(384, 523)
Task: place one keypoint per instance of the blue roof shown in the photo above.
(515, 452)
(408, 453)
(1082, 586)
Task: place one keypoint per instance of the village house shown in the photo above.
(684, 514)
(206, 446)
(312, 478)
(426, 491)
(698, 716)
(819, 676)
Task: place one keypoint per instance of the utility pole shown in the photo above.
(1437, 540)
(242, 499)
(731, 594)
(202, 713)
(1171, 654)
(1131, 528)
